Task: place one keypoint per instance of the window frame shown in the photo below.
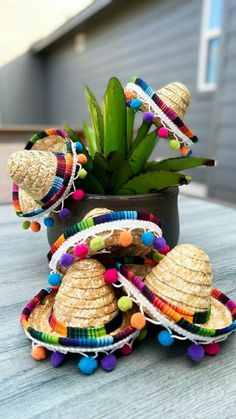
(207, 34)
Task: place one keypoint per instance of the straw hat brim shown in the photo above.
(53, 141)
(220, 324)
(38, 329)
(153, 103)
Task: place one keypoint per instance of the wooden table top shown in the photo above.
(153, 382)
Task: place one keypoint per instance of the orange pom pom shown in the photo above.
(138, 321)
(39, 353)
(82, 159)
(125, 238)
(184, 151)
(35, 226)
(128, 95)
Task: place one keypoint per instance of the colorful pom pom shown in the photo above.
(87, 365)
(184, 150)
(138, 321)
(125, 303)
(159, 243)
(110, 276)
(54, 280)
(35, 226)
(48, 222)
(126, 350)
(135, 103)
(39, 353)
(148, 116)
(57, 359)
(165, 338)
(164, 250)
(97, 243)
(81, 250)
(78, 195)
(128, 95)
(64, 213)
(143, 333)
(147, 238)
(82, 159)
(78, 147)
(26, 225)
(125, 238)
(82, 173)
(195, 352)
(212, 348)
(174, 144)
(162, 132)
(108, 362)
(66, 260)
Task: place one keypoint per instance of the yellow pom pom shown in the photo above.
(125, 303)
(138, 321)
(39, 353)
(125, 238)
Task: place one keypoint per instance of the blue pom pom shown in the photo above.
(147, 238)
(165, 338)
(49, 222)
(78, 146)
(54, 279)
(87, 365)
(135, 103)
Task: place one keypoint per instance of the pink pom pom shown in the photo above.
(163, 132)
(212, 348)
(110, 276)
(78, 195)
(81, 250)
(126, 350)
(164, 250)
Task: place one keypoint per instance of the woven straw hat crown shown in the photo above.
(183, 278)
(176, 96)
(33, 171)
(83, 298)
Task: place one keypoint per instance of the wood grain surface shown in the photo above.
(151, 383)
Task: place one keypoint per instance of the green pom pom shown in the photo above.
(26, 225)
(125, 303)
(97, 243)
(82, 173)
(174, 144)
(142, 335)
(133, 79)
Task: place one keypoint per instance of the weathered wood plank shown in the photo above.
(154, 382)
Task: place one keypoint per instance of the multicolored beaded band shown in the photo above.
(101, 219)
(171, 311)
(62, 178)
(85, 332)
(168, 112)
(66, 341)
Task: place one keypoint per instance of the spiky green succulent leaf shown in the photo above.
(114, 114)
(153, 181)
(142, 152)
(100, 170)
(89, 133)
(130, 117)
(96, 119)
(178, 163)
(90, 185)
(141, 134)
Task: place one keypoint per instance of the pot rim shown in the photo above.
(172, 190)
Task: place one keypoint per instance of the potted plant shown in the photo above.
(118, 174)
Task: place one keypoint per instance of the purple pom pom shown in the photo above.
(108, 362)
(128, 102)
(57, 359)
(159, 243)
(66, 260)
(148, 116)
(64, 213)
(195, 352)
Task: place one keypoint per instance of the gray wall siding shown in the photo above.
(223, 184)
(157, 40)
(22, 99)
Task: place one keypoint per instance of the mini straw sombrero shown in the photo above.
(43, 175)
(79, 312)
(165, 108)
(178, 295)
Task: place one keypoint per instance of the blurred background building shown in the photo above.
(192, 41)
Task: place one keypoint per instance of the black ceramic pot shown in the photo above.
(164, 204)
